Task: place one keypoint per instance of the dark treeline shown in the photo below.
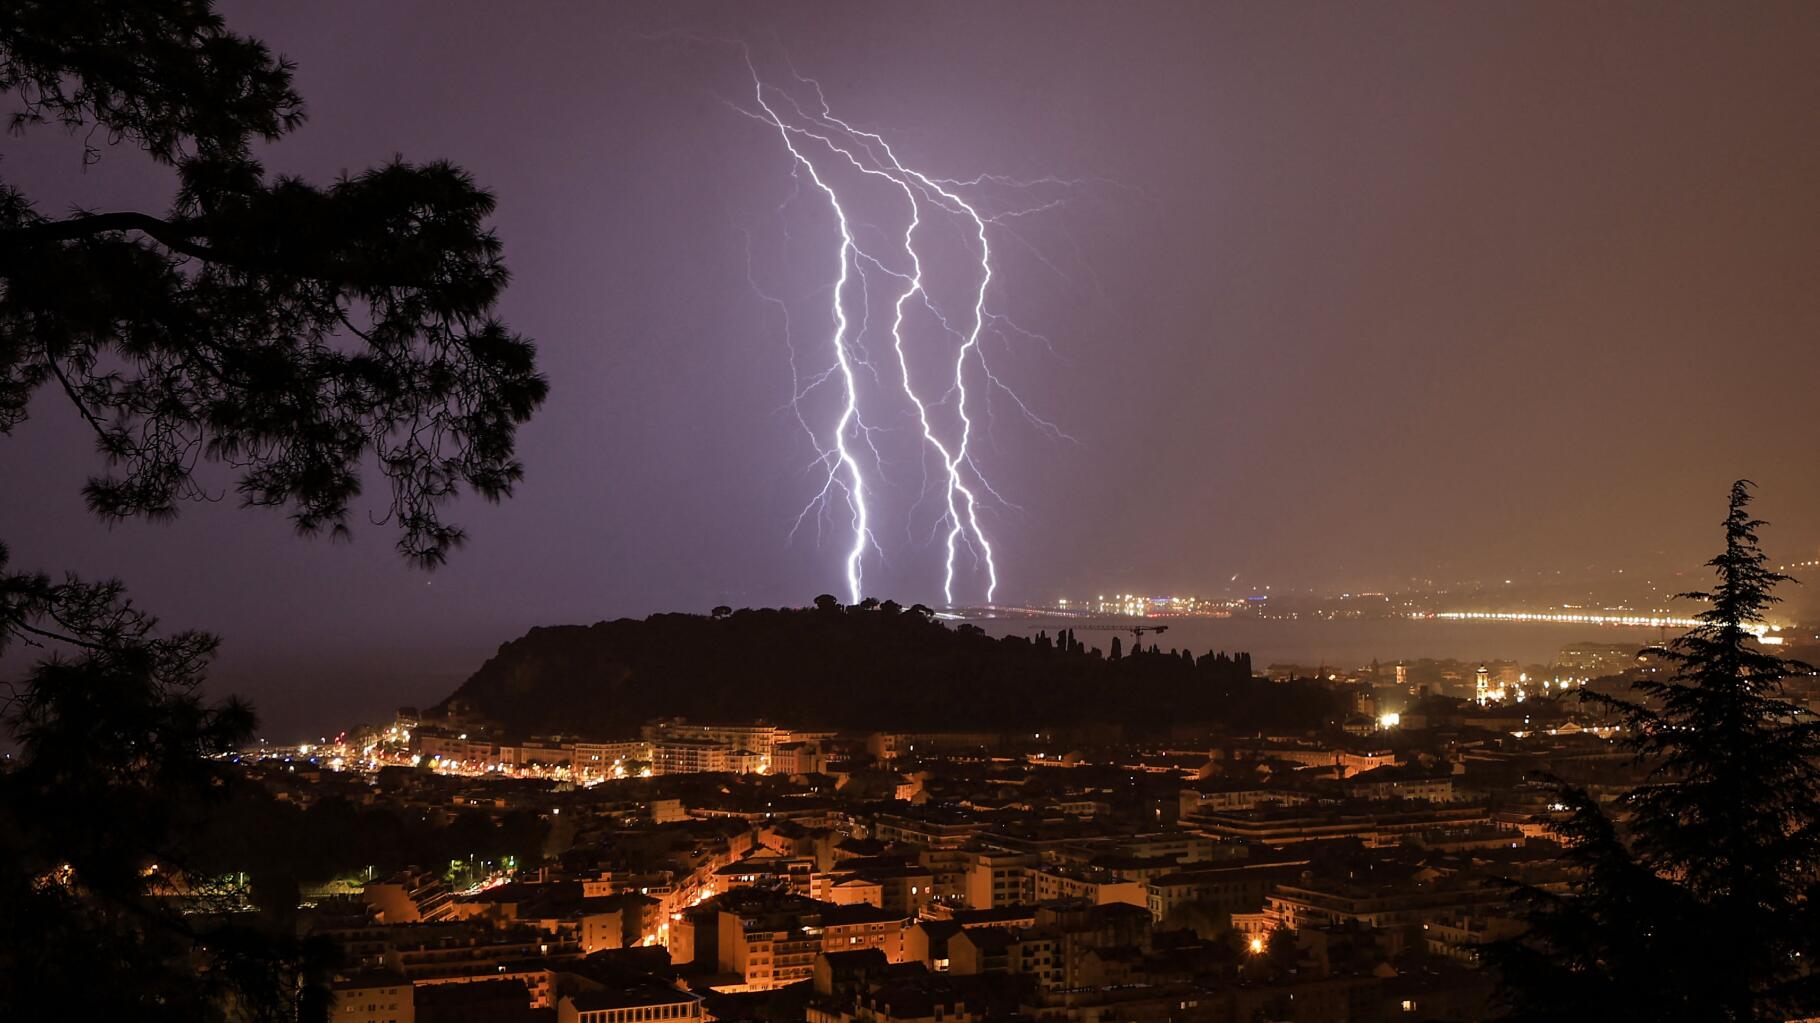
(280, 846)
(870, 666)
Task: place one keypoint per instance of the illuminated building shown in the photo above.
(616, 921)
(893, 883)
(932, 830)
(689, 756)
(374, 996)
(1238, 887)
(797, 758)
(1094, 885)
(772, 940)
(1350, 761)
(647, 1003)
(548, 754)
(1218, 794)
(608, 759)
(458, 749)
(757, 737)
(861, 926)
(774, 873)
(678, 747)
(481, 952)
(999, 878)
(1400, 782)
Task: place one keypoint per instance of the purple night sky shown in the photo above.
(1346, 294)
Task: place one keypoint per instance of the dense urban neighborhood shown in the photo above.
(708, 869)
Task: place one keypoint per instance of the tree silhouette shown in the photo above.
(281, 331)
(115, 776)
(1699, 903)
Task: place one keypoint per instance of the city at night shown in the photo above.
(810, 512)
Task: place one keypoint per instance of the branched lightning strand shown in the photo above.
(823, 134)
(855, 484)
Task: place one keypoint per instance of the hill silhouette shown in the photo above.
(868, 666)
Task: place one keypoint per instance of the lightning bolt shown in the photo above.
(841, 457)
(815, 134)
